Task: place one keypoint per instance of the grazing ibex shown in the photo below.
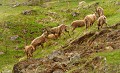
(77, 23)
(58, 30)
(36, 42)
(40, 40)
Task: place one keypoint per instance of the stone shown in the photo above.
(1, 53)
(109, 48)
(74, 14)
(82, 3)
(16, 5)
(13, 38)
(29, 12)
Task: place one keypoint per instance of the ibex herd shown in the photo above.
(55, 32)
(90, 19)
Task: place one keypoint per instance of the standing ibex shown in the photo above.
(99, 11)
(29, 51)
(90, 19)
(101, 20)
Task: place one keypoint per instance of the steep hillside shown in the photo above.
(18, 29)
(78, 56)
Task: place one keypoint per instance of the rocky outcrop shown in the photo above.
(76, 56)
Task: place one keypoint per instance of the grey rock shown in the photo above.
(16, 5)
(13, 38)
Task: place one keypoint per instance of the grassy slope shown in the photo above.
(7, 60)
(112, 57)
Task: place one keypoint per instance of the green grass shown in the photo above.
(9, 59)
(112, 57)
(6, 10)
(114, 19)
(15, 19)
(7, 2)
